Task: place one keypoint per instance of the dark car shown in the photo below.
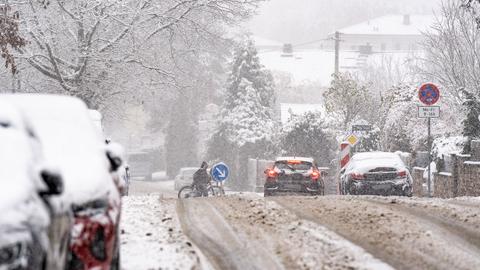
(376, 173)
(294, 175)
(34, 227)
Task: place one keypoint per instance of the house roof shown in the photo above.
(391, 25)
(265, 42)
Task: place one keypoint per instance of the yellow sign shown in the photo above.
(352, 140)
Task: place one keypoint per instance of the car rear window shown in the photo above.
(294, 166)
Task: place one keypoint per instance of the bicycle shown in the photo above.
(213, 189)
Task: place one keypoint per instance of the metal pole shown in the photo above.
(429, 159)
(337, 52)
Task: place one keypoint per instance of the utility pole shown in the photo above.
(337, 52)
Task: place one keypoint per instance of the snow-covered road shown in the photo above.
(246, 231)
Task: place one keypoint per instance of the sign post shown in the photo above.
(429, 95)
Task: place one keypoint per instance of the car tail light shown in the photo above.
(357, 176)
(271, 173)
(294, 162)
(402, 174)
(315, 175)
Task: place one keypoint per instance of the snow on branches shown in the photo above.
(247, 115)
(10, 35)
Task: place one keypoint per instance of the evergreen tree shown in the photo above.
(471, 124)
(306, 135)
(246, 127)
(181, 138)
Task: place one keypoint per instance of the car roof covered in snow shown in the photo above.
(375, 155)
(304, 159)
(364, 162)
(71, 142)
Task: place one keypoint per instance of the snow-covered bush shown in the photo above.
(307, 136)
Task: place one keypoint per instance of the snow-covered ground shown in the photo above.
(331, 232)
(151, 235)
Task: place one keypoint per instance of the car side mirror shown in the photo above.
(54, 182)
(114, 152)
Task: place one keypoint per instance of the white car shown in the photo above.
(185, 177)
(376, 173)
(33, 231)
(71, 141)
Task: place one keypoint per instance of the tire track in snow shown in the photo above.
(403, 240)
(210, 232)
(470, 238)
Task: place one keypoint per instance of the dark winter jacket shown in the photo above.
(201, 177)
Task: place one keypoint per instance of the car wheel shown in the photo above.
(115, 264)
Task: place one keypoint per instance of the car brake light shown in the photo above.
(357, 176)
(271, 173)
(315, 175)
(402, 174)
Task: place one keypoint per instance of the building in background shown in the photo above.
(390, 33)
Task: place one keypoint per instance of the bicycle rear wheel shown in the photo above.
(186, 192)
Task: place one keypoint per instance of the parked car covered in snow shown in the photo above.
(71, 141)
(34, 230)
(376, 173)
(184, 177)
(296, 175)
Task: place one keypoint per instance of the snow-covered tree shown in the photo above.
(399, 118)
(369, 141)
(471, 124)
(452, 45)
(346, 99)
(246, 125)
(9, 35)
(307, 135)
(474, 7)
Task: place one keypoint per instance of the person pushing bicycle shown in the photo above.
(201, 179)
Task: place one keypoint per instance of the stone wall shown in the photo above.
(444, 185)
(469, 179)
(417, 175)
(462, 180)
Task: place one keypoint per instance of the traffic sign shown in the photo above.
(429, 94)
(220, 172)
(352, 140)
(361, 128)
(428, 111)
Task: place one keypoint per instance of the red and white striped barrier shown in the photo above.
(344, 154)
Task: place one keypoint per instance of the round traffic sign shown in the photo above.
(220, 172)
(429, 94)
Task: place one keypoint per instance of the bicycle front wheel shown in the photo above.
(186, 192)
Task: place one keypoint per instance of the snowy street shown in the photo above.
(240, 135)
(246, 231)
